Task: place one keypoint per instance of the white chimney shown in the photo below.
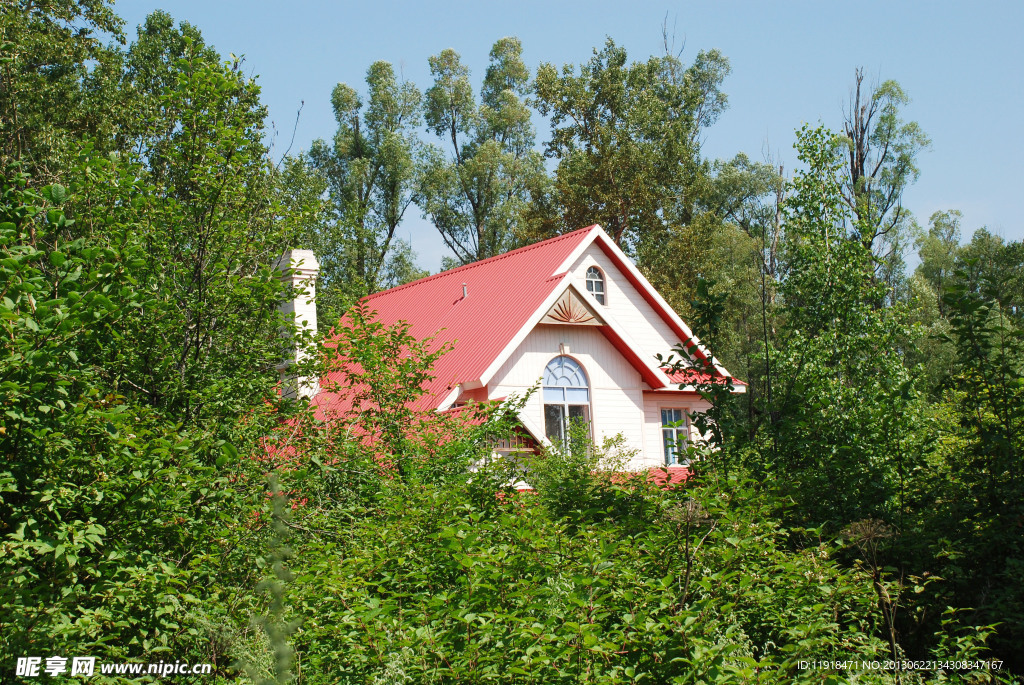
(298, 269)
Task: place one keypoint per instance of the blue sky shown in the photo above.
(792, 62)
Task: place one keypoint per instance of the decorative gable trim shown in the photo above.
(571, 308)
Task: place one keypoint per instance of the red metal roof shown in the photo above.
(665, 476)
(501, 295)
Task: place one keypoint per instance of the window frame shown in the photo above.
(601, 297)
(679, 430)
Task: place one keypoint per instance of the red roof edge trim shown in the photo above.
(630, 354)
(695, 376)
(667, 476)
(662, 476)
(685, 337)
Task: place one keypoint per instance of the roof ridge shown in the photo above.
(471, 265)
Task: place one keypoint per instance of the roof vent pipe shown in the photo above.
(464, 291)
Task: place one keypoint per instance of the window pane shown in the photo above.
(575, 395)
(556, 395)
(670, 440)
(578, 411)
(554, 422)
(595, 284)
(565, 371)
(671, 416)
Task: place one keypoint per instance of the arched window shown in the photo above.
(566, 396)
(595, 283)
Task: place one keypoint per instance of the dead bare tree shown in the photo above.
(883, 158)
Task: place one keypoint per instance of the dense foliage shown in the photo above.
(159, 500)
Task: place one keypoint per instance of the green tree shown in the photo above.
(976, 536)
(211, 226)
(938, 249)
(847, 431)
(732, 246)
(58, 81)
(988, 261)
(143, 335)
(368, 174)
(477, 194)
(627, 140)
(150, 71)
(107, 506)
(140, 331)
(381, 370)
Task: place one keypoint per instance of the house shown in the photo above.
(571, 314)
